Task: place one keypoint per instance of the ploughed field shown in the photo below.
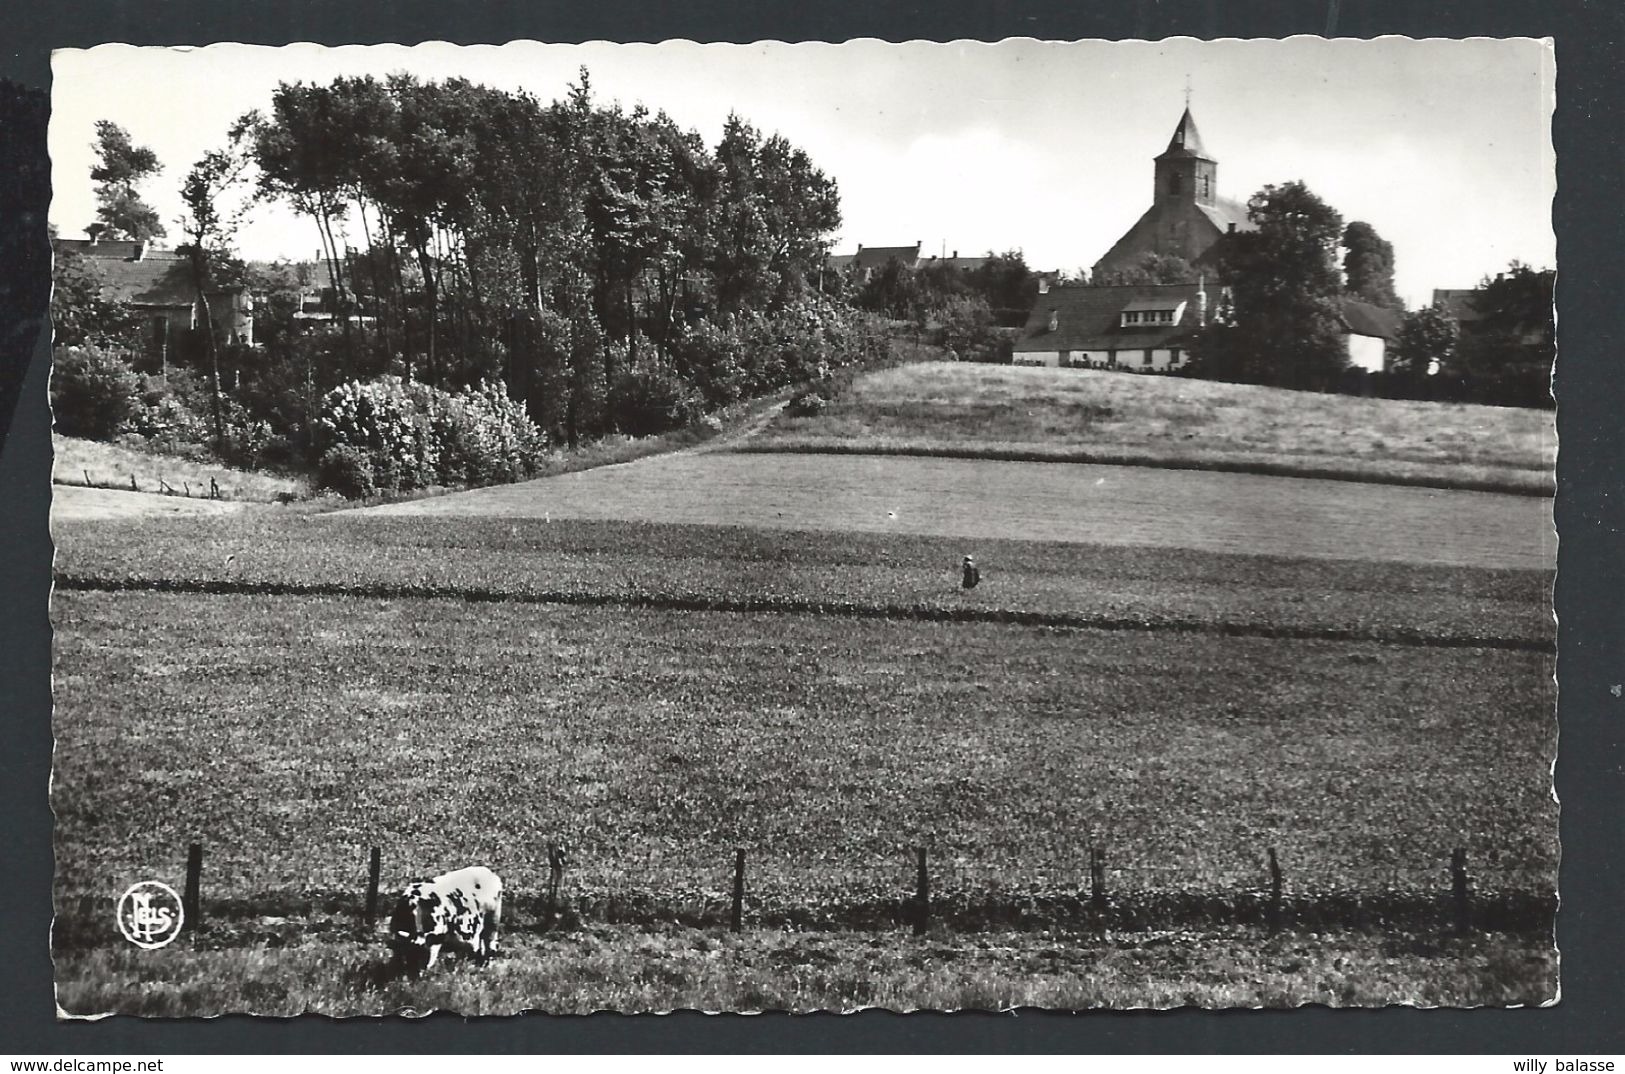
(953, 408)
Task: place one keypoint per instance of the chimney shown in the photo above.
(1055, 320)
(1232, 227)
(956, 255)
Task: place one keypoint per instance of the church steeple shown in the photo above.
(1184, 171)
(1186, 138)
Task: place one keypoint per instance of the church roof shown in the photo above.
(1226, 211)
(1186, 142)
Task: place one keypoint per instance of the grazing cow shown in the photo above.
(462, 909)
(971, 576)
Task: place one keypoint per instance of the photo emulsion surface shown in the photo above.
(803, 527)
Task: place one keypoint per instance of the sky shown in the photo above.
(1443, 146)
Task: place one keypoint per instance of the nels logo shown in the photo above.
(150, 915)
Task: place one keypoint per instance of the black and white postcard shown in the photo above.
(809, 527)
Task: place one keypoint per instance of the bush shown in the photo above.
(93, 391)
(806, 404)
(388, 419)
(651, 401)
(415, 436)
(348, 472)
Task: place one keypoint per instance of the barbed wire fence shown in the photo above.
(918, 889)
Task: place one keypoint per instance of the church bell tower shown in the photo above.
(1184, 171)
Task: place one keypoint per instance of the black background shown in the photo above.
(1590, 773)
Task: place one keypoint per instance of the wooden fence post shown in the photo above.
(1459, 889)
(191, 901)
(87, 478)
(374, 861)
(922, 896)
(132, 484)
(1274, 914)
(736, 922)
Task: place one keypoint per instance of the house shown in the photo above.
(871, 259)
(1460, 303)
(157, 285)
(1369, 333)
(1138, 327)
(1187, 217)
(953, 261)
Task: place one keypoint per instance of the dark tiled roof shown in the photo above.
(963, 264)
(160, 279)
(1364, 319)
(840, 261)
(122, 249)
(1090, 318)
(875, 257)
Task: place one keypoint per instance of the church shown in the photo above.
(1187, 216)
(1150, 327)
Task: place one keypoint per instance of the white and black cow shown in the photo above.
(462, 909)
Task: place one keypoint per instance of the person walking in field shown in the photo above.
(971, 576)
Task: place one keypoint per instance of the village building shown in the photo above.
(1144, 328)
(1369, 333)
(872, 259)
(1187, 217)
(157, 285)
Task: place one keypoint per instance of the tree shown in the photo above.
(1153, 268)
(1007, 284)
(81, 312)
(122, 166)
(1286, 284)
(1427, 342)
(210, 227)
(1368, 266)
(1507, 356)
(775, 211)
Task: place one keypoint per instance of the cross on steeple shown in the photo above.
(1187, 90)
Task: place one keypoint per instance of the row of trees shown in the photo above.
(608, 266)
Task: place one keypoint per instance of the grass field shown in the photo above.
(290, 734)
(982, 500)
(634, 564)
(1358, 677)
(667, 969)
(1087, 415)
(111, 466)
